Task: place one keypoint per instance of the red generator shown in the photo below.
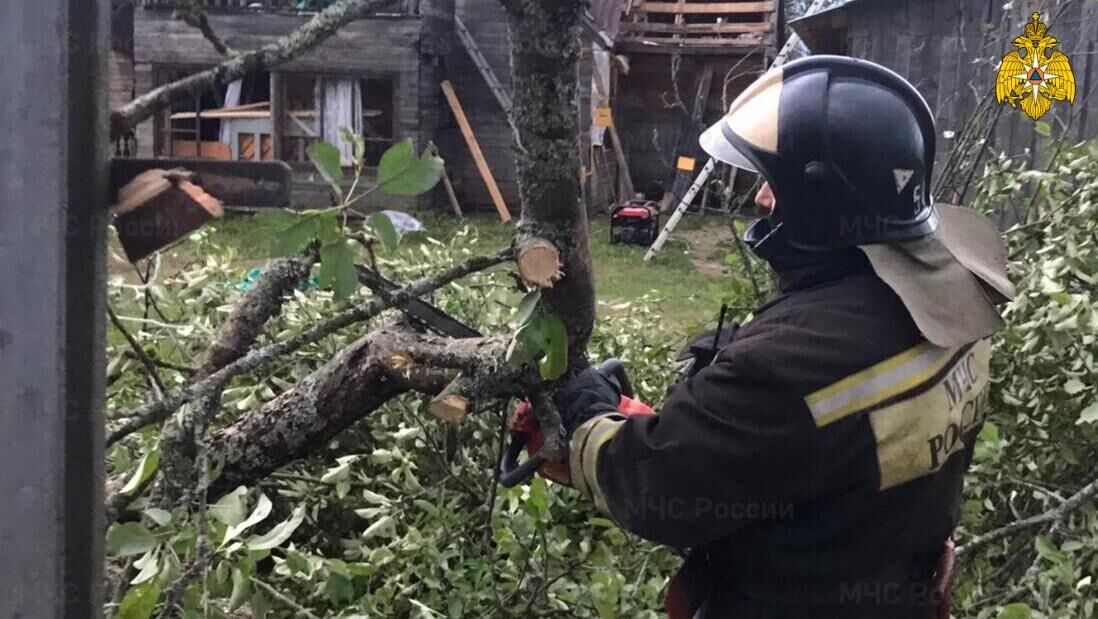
(636, 222)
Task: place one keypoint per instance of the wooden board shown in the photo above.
(700, 7)
(721, 28)
(474, 148)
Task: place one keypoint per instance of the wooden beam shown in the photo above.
(454, 204)
(474, 148)
(689, 46)
(278, 114)
(710, 8)
(722, 28)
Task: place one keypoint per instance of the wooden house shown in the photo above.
(663, 69)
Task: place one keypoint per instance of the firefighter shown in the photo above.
(813, 469)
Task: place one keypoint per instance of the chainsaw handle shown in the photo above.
(511, 473)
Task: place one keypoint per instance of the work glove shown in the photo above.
(585, 396)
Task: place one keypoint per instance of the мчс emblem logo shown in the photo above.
(1031, 77)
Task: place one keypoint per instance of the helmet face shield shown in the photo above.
(714, 142)
(751, 125)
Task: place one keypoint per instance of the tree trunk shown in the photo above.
(544, 76)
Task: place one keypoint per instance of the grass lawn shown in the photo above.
(688, 278)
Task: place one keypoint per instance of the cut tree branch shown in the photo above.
(353, 384)
(156, 412)
(1054, 516)
(314, 32)
(181, 445)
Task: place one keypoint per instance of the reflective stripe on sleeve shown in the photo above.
(584, 454)
(878, 383)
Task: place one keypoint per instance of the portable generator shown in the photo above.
(636, 222)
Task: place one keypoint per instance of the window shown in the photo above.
(319, 106)
(214, 124)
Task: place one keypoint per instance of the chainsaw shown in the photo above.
(526, 434)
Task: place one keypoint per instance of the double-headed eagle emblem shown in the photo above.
(1030, 77)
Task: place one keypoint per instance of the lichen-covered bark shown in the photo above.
(179, 450)
(544, 55)
(302, 420)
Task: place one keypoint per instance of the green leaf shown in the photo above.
(145, 469)
(356, 141)
(292, 240)
(1074, 386)
(149, 566)
(556, 359)
(328, 228)
(139, 601)
(383, 227)
(1043, 128)
(1048, 550)
(382, 526)
(989, 433)
(278, 533)
(1015, 611)
(231, 508)
(337, 268)
(160, 516)
(242, 588)
(1089, 414)
(527, 307)
(259, 514)
(326, 159)
(297, 563)
(402, 173)
(261, 606)
(129, 538)
(339, 589)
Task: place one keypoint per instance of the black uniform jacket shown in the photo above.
(815, 468)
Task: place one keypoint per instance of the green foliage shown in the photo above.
(539, 334)
(390, 520)
(1045, 372)
(327, 161)
(402, 173)
(139, 601)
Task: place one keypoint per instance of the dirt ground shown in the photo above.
(709, 243)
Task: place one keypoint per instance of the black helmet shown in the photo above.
(847, 146)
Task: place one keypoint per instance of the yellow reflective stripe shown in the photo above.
(878, 383)
(584, 449)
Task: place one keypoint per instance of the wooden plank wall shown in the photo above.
(649, 129)
(382, 47)
(950, 50)
(375, 47)
(487, 23)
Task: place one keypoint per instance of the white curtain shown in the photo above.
(232, 99)
(339, 103)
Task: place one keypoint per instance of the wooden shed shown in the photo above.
(951, 50)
